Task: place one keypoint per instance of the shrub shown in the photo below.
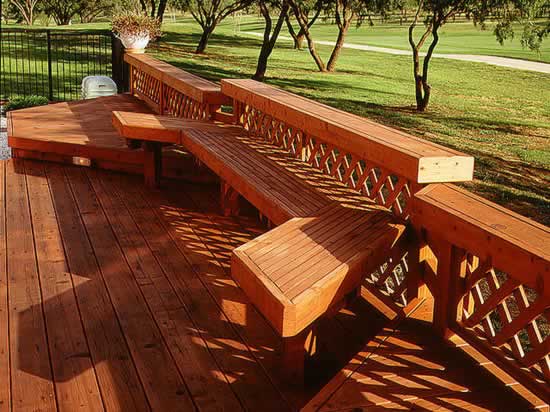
(136, 24)
(20, 102)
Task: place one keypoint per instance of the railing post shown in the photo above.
(50, 77)
(119, 67)
(451, 268)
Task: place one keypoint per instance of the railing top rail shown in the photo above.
(509, 240)
(199, 89)
(404, 154)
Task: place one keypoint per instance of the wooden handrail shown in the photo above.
(489, 270)
(403, 154)
(487, 267)
(170, 90)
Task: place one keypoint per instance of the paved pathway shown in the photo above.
(494, 60)
(4, 149)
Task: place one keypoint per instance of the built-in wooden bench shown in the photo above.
(324, 177)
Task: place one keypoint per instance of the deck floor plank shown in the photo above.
(31, 374)
(163, 385)
(118, 379)
(206, 384)
(75, 380)
(5, 398)
(218, 305)
(166, 327)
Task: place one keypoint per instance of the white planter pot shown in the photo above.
(134, 43)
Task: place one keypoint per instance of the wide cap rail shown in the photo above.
(197, 88)
(406, 155)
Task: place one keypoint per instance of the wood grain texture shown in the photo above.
(5, 396)
(488, 230)
(404, 154)
(314, 265)
(120, 385)
(165, 388)
(80, 128)
(31, 375)
(73, 373)
(196, 87)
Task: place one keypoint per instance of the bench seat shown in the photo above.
(297, 271)
(328, 236)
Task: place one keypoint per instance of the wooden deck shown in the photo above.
(80, 128)
(116, 297)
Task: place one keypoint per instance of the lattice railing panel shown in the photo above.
(391, 278)
(372, 180)
(177, 104)
(166, 99)
(146, 84)
(508, 314)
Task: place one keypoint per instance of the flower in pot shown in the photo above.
(135, 30)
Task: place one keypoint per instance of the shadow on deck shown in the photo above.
(118, 297)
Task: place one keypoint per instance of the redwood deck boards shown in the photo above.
(80, 128)
(116, 297)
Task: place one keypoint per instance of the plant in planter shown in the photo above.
(135, 30)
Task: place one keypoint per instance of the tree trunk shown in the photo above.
(343, 30)
(203, 42)
(269, 39)
(423, 91)
(161, 9)
(302, 21)
(299, 40)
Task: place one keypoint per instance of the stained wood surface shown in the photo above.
(132, 125)
(196, 87)
(403, 154)
(405, 367)
(482, 227)
(81, 128)
(266, 176)
(295, 273)
(149, 272)
(299, 270)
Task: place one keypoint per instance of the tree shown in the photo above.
(62, 11)
(311, 8)
(209, 13)
(270, 33)
(26, 9)
(151, 8)
(89, 10)
(534, 18)
(438, 12)
(345, 13)
(301, 9)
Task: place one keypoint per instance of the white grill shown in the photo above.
(97, 86)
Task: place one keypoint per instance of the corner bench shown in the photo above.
(320, 175)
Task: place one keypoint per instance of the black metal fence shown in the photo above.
(52, 63)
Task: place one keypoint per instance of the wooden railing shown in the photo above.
(487, 268)
(171, 91)
(383, 164)
(489, 271)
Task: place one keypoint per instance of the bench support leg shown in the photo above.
(295, 350)
(152, 163)
(230, 200)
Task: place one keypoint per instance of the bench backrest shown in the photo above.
(172, 91)
(385, 164)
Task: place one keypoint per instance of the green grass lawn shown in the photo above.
(501, 116)
(460, 38)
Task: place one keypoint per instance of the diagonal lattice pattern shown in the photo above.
(167, 99)
(508, 315)
(371, 180)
